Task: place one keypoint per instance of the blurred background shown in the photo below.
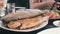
(25, 3)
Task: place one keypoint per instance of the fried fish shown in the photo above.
(19, 15)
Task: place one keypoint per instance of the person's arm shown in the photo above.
(58, 4)
(36, 4)
(35, 1)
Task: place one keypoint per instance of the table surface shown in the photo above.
(49, 25)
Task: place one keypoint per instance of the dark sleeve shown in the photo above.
(57, 0)
(22, 3)
(11, 1)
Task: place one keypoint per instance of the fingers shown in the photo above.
(58, 4)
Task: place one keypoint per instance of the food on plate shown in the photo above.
(24, 20)
(14, 24)
(47, 12)
(56, 23)
(20, 15)
(54, 14)
(59, 23)
(27, 23)
(33, 22)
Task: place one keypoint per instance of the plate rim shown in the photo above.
(44, 24)
(48, 29)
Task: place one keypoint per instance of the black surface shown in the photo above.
(49, 25)
(58, 8)
(57, 0)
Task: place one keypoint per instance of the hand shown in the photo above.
(50, 2)
(58, 4)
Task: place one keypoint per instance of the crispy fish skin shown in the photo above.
(27, 23)
(19, 15)
(31, 23)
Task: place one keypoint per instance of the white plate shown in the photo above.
(41, 26)
(56, 23)
(51, 31)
